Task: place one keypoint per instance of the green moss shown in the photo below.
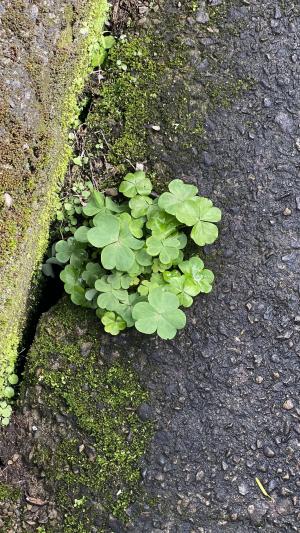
(98, 459)
(8, 493)
(223, 94)
(140, 73)
(24, 229)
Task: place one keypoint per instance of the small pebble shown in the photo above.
(287, 212)
(288, 405)
(243, 489)
(199, 475)
(8, 201)
(269, 452)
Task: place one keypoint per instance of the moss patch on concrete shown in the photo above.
(90, 439)
(34, 168)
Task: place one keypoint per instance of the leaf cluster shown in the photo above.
(126, 258)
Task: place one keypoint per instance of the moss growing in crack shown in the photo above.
(24, 235)
(8, 493)
(94, 464)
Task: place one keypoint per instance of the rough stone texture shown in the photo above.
(224, 393)
(44, 60)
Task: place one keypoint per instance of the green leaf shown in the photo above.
(109, 298)
(176, 198)
(194, 271)
(78, 296)
(105, 232)
(184, 289)
(9, 392)
(94, 205)
(13, 379)
(6, 412)
(161, 223)
(155, 281)
(201, 214)
(70, 276)
(114, 207)
(139, 205)
(136, 226)
(143, 258)
(81, 234)
(90, 294)
(125, 309)
(108, 41)
(134, 184)
(119, 280)
(72, 251)
(167, 249)
(63, 251)
(92, 272)
(159, 314)
(120, 254)
(113, 323)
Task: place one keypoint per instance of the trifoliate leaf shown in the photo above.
(167, 249)
(92, 272)
(63, 251)
(184, 289)
(139, 205)
(105, 232)
(159, 314)
(119, 280)
(155, 281)
(125, 309)
(179, 193)
(161, 223)
(109, 298)
(113, 323)
(72, 251)
(194, 271)
(200, 213)
(134, 184)
(94, 205)
(120, 253)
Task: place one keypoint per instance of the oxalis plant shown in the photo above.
(126, 259)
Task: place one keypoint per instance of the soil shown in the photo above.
(225, 392)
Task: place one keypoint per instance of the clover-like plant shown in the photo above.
(126, 258)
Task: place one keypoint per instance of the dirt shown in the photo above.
(225, 392)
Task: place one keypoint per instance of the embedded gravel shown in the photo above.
(225, 392)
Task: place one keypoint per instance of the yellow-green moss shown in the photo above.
(101, 402)
(28, 243)
(8, 493)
